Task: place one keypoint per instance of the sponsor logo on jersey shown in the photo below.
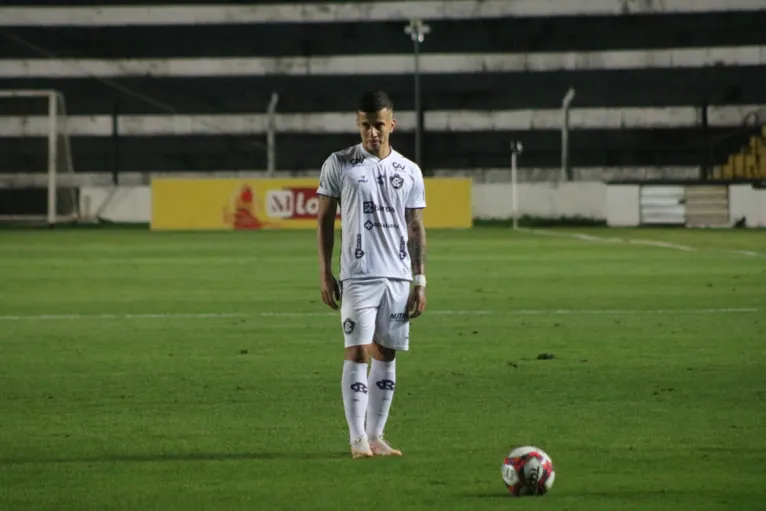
(399, 316)
(370, 207)
(369, 225)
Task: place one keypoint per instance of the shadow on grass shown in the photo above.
(175, 457)
(489, 495)
(585, 494)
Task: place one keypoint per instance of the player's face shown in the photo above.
(374, 128)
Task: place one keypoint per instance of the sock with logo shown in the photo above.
(355, 396)
(382, 381)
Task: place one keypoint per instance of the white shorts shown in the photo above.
(375, 309)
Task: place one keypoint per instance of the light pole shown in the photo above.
(417, 31)
(516, 149)
(566, 171)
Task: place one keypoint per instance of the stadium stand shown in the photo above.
(748, 163)
(192, 96)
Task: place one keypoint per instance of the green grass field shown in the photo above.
(183, 371)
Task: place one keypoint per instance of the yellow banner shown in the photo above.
(238, 204)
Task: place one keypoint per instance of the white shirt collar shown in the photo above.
(367, 154)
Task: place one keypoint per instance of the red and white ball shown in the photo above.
(528, 470)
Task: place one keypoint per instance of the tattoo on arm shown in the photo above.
(417, 240)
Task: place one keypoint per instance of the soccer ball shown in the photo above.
(528, 471)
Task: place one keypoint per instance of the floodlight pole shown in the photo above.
(417, 31)
(566, 171)
(516, 149)
(271, 129)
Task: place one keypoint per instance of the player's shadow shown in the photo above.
(503, 494)
(615, 494)
(176, 457)
(490, 495)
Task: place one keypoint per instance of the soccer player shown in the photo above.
(382, 273)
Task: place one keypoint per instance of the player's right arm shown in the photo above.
(329, 194)
(325, 242)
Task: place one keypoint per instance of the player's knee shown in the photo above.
(358, 354)
(382, 353)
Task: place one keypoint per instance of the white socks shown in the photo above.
(358, 390)
(381, 384)
(355, 394)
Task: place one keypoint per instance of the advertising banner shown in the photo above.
(241, 204)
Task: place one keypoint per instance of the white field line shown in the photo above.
(631, 241)
(517, 312)
(663, 244)
(749, 253)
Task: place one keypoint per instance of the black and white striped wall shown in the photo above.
(191, 81)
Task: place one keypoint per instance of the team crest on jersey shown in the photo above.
(348, 325)
(397, 181)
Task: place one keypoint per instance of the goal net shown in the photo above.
(36, 172)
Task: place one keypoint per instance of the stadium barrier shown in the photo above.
(241, 204)
(686, 203)
(616, 204)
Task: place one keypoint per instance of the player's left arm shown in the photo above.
(416, 244)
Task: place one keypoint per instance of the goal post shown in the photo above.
(39, 158)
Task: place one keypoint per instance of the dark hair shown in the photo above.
(374, 101)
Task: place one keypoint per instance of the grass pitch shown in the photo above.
(168, 371)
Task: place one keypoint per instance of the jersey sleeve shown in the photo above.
(329, 178)
(417, 197)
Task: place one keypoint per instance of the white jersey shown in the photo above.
(373, 195)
